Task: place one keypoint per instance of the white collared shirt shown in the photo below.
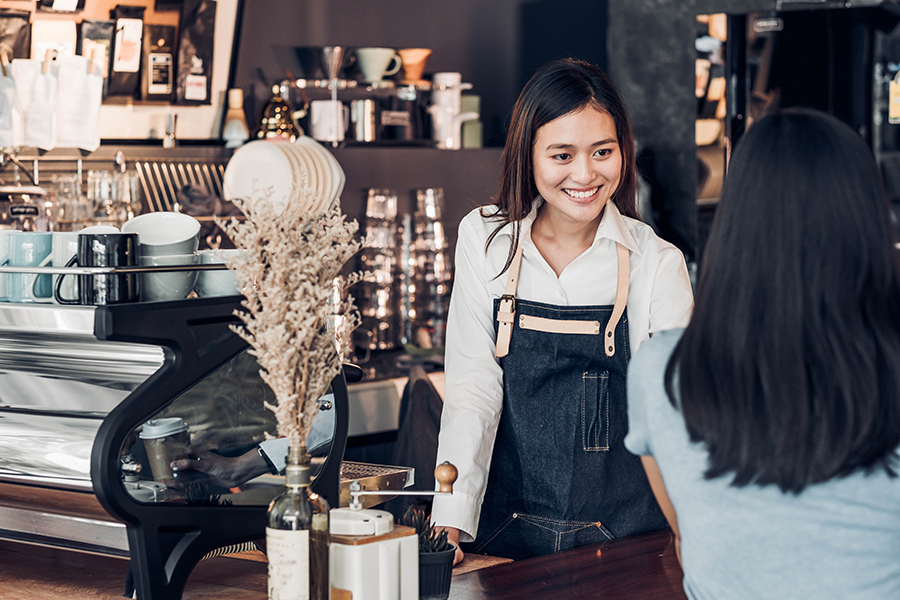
(659, 298)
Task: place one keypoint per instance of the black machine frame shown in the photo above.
(166, 541)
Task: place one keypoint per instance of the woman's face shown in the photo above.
(577, 164)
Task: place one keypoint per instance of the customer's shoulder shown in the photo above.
(653, 355)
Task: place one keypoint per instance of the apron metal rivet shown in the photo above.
(610, 348)
(609, 334)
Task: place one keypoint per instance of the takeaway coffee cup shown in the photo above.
(29, 249)
(164, 439)
(103, 250)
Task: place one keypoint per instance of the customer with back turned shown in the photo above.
(769, 427)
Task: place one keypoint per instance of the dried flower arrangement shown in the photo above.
(287, 271)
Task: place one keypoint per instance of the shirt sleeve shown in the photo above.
(636, 440)
(474, 388)
(671, 300)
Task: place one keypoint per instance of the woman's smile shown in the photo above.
(577, 165)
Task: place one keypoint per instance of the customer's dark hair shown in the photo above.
(558, 88)
(789, 371)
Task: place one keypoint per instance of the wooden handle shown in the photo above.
(446, 474)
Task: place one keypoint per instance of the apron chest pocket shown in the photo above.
(595, 411)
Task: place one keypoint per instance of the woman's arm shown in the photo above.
(662, 498)
(672, 299)
(473, 378)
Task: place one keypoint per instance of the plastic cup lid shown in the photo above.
(160, 428)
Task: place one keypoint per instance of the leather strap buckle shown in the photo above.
(512, 303)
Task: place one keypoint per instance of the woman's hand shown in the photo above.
(453, 538)
(222, 471)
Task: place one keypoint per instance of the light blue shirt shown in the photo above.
(839, 539)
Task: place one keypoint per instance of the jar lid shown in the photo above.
(160, 428)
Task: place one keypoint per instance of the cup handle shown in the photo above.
(56, 289)
(3, 264)
(34, 280)
(397, 61)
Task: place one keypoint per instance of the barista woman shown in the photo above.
(557, 283)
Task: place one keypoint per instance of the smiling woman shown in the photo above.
(577, 166)
(534, 411)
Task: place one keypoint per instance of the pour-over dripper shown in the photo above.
(333, 60)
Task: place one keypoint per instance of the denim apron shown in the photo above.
(560, 475)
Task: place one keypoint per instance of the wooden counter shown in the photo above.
(641, 567)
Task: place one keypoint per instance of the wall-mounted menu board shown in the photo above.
(196, 95)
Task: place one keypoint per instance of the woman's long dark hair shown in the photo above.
(557, 89)
(789, 371)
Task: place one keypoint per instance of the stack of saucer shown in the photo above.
(279, 169)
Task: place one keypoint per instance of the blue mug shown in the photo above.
(29, 249)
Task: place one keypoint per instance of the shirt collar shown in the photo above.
(612, 226)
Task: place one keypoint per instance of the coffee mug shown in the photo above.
(322, 120)
(217, 283)
(29, 249)
(168, 285)
(376, 63)
(65, 246)
(103, 250)
(165, 233)
(5, 234)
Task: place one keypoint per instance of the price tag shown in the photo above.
(195, 87)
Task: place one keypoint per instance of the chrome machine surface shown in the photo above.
(57, 384)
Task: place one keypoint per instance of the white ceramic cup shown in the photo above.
(322, 120)
(100, 229)
(5, 234)
(217, 283)
(169, 285)
(65, 246)
(165, 233)
(376, 63)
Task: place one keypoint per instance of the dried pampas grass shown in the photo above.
(287, 272)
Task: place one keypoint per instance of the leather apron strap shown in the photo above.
(506, 311)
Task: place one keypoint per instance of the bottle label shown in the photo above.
(288, 553)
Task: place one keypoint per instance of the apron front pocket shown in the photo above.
(595, 411)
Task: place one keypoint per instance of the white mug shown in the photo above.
(322, 120)
(217, 283)
(168, 285)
